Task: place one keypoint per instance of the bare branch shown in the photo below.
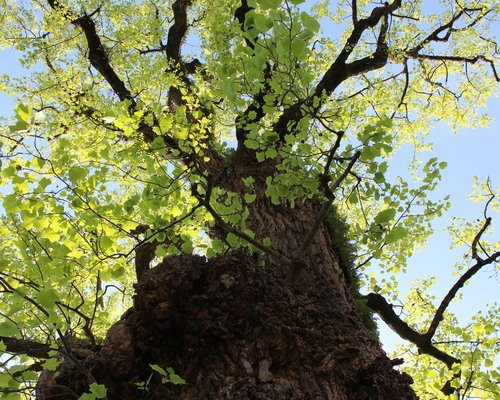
(468, 60)
(379, 304)
(443, 34)
(487, 222)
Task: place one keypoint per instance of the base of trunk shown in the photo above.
(232, 330)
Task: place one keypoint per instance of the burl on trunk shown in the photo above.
(233, 327)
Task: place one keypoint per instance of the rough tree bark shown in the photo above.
(234, 329)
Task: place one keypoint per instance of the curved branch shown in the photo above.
(467, 60)
(178, 30)
(379, 304)
(340, 70)
(446, 31)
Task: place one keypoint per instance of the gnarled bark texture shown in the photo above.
(236, 330)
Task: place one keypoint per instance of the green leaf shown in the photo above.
(8, 328)
(99, 391)
(76, 173)
(158, 369)
(271, 152)
(233, 240)
(117, 273)
(19, 126)
(106, 242)
(250, 198)
(263, 24)
(5, 380)
(309, 22)
(51, 364)
(385, 216)
(47, 297)
(174, 378)
(269, 4)
(252, 144)
(397, 233)
(11, 203)
(23, 112)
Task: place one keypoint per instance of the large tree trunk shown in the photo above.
(234, 329)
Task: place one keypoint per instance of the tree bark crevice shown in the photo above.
(236, 330)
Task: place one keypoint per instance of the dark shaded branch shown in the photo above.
(99, 59)
(243, 120)
(332, 152)
(476, 239)
(405, 89)
(379, 304)
(240, 15)
(97, 53)
(277, 257)
(255, 109)
(28, 347)
(340, 70)
(446, 31)
(448, 27)
(178, 30)
(88, 322)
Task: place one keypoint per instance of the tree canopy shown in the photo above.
(147, 129)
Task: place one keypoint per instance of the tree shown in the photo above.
(219, 169)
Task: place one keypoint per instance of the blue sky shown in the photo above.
(472, 152)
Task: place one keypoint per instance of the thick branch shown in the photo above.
(99, 59)
(178, 30)
(279, 258)
(340, 70)
(243, 120)
(255, 109)
(28, 347)
(97, 53)
(379, 304)
(240, 15)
